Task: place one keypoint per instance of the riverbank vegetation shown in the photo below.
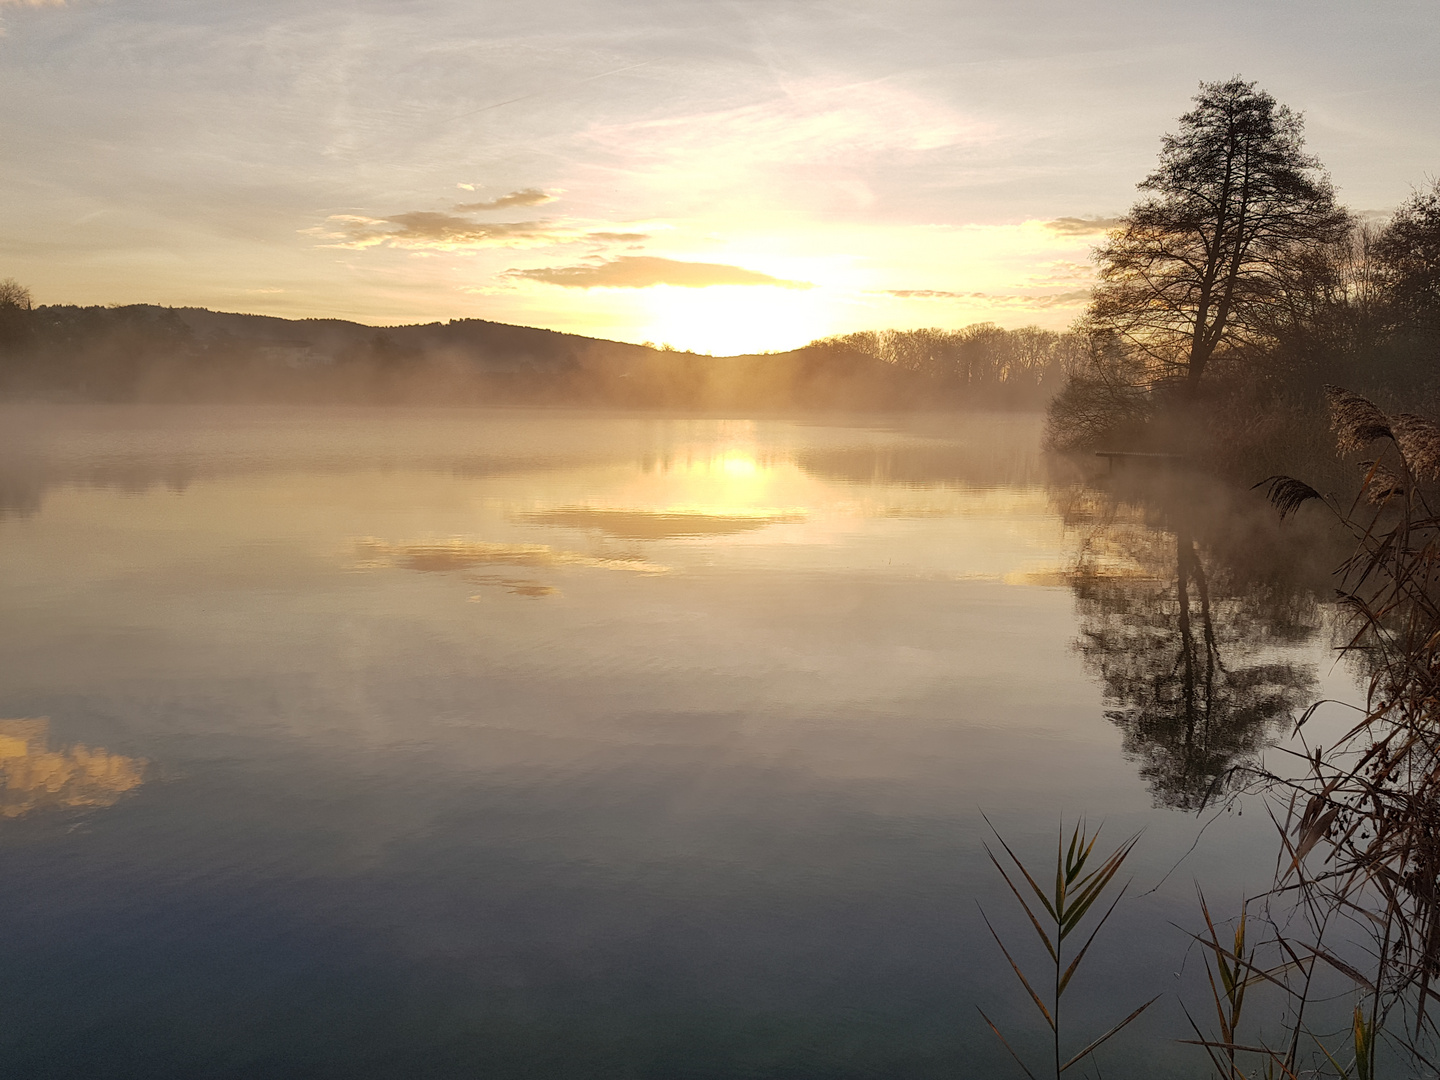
(1233, 302)
(1354, 914)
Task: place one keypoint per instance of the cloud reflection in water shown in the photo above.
(658, 524)
(33, 776)
(445, 555)
(535, 590)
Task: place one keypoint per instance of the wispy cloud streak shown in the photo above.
(1071, 298)
(644, 271)
(428, 229)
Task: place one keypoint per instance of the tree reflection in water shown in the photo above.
(1186, 637)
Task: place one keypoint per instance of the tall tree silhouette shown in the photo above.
(1234, 221)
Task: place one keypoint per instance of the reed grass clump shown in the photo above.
(1057, 916)
(1359, 873)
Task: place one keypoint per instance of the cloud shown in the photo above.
(808, 123)
(1082, 226)
(1019, 300)
(1073, 298)
(1062, 272)
(526, 197)
(617, 237)
(930, 294)
(643, 271)
(432, 230)
(27, 4)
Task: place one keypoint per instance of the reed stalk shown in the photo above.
(1056, 917)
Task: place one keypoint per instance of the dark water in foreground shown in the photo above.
(379, 744)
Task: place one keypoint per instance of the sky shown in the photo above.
(718, 176)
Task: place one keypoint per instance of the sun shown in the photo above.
(729, 320)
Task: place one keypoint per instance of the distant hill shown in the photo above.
(149, 353)
(486, 346)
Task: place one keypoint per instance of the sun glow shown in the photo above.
(728, 320)
(829, 280)
(736, 466)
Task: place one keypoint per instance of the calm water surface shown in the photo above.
(491, 744)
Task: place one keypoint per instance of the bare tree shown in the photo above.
(14, 295)
(1237, 218)
(1408, 253)
(15, 304)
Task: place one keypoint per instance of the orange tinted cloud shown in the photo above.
(527, 197)
(1082, 226)
(432, 229)
(643, 271)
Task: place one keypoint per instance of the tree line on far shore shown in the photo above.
(982, 363)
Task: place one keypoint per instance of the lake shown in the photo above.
(374, 743)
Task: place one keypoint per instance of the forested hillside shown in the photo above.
(148, 353)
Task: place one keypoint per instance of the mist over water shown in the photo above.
(349, 742)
